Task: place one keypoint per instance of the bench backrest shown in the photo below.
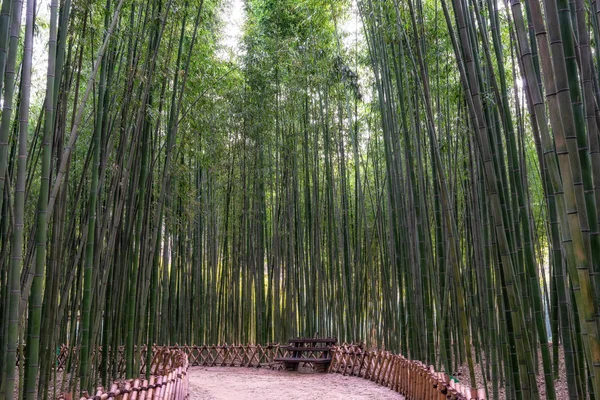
(326, 341)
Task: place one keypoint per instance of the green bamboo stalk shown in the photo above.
(35, 298)
(19, 204)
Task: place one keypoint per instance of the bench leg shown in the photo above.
(320, 367)
(291, 366)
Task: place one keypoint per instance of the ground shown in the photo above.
(560, 384)
(218, 383)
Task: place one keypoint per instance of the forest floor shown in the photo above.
(560, 384)
(221, 383)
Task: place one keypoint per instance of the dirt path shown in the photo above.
(219, 383)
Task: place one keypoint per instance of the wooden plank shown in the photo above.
(299, 349)
(314, 340)
(307, 360)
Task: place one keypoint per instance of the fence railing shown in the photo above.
(168, 379)
(225, 355)
(410, 378)
(250, 355)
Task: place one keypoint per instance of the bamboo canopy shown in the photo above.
(421, 176)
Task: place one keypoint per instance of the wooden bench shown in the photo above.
(315, 351)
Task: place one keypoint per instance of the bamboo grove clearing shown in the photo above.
(422, 176)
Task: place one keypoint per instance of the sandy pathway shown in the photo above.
(219, 383)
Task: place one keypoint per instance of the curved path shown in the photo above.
(220, 383)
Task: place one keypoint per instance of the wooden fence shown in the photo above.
(250, 355)
(169, 380)
(410, 378)
(209, 356)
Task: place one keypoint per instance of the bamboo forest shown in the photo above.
(420, 177)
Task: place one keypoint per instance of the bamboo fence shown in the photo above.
(411, 378)
(235, 355)
(207, 356)
(169, 380)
